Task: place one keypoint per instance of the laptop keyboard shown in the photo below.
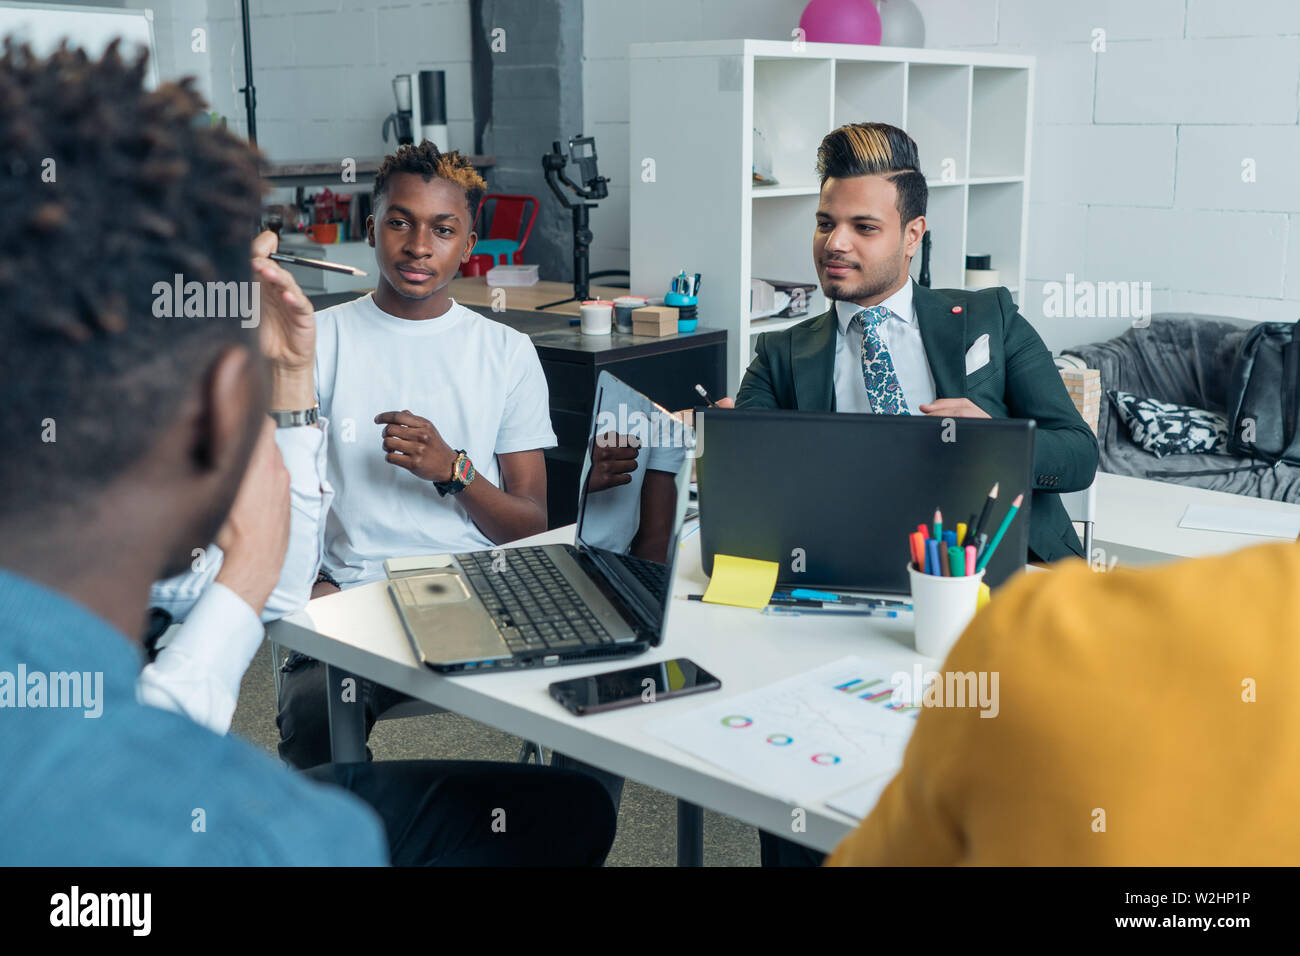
(650, 573)
(536, 607)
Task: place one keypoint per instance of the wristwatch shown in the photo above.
(295, 418)
(462, 473)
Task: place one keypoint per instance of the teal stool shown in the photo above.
(501, 250)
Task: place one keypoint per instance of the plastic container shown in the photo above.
(623, 307)
(512, 275)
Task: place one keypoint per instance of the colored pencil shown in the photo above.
(1002, 529)
(988, 507)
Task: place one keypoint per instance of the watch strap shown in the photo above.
(296, 417)
(462, 473)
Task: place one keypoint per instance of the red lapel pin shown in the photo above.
(956, 309)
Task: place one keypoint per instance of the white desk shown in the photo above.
(358, 631)
(1137, 520)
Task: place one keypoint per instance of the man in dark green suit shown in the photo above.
(889, 345)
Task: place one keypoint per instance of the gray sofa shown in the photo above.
(1187, 359)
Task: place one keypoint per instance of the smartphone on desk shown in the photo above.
(645, 684)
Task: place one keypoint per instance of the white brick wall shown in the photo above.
(608, 27)
(323, 68)
(1137, 156)
(1138, 150)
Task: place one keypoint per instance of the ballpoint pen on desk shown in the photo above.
(831, 610)
(808, 594)
(800, 597)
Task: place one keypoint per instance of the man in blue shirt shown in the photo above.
(134, 395)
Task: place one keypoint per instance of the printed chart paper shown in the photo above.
(859, 801)
(805, 737)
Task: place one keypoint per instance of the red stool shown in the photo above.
(503, 244)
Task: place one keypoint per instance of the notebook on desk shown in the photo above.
(604, 596)
(832, 496)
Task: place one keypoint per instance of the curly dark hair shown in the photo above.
(428, 161)
(107, 188)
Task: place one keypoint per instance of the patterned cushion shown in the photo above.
(1163, 428)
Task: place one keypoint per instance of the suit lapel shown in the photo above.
(943, 333)
(812, 359)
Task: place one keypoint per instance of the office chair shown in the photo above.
(1081, 506)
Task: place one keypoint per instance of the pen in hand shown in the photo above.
(705, 395)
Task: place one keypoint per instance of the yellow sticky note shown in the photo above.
(741, 582)
(984, 596)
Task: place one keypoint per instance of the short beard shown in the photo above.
(881, 279)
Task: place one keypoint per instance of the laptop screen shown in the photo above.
(633, 495)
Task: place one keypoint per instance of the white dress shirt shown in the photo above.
(901, 334)
(198, 670)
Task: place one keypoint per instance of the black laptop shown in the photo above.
(832, 497)
(604, 596)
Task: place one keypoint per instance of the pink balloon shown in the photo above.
(841, 21)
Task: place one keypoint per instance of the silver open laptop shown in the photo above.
(606, 595)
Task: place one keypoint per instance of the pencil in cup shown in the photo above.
(984, 558)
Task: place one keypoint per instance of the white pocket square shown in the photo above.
(977, 356)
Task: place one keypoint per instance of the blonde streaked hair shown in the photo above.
(876, 149)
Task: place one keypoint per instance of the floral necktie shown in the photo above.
(877, 367)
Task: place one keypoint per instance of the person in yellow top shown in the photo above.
(1145, 717)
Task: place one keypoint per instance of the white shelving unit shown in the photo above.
(694, 106)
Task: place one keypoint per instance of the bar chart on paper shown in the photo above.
(876, 690)
(805, 737)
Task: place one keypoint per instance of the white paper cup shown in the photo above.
(942, 607)
(597, 317)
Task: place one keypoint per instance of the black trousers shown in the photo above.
(478, 813)
(303, 720)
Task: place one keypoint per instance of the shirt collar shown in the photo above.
(900, 303)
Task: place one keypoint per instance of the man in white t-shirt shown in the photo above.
(438, 416)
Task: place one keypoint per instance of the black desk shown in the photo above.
(666, 369)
